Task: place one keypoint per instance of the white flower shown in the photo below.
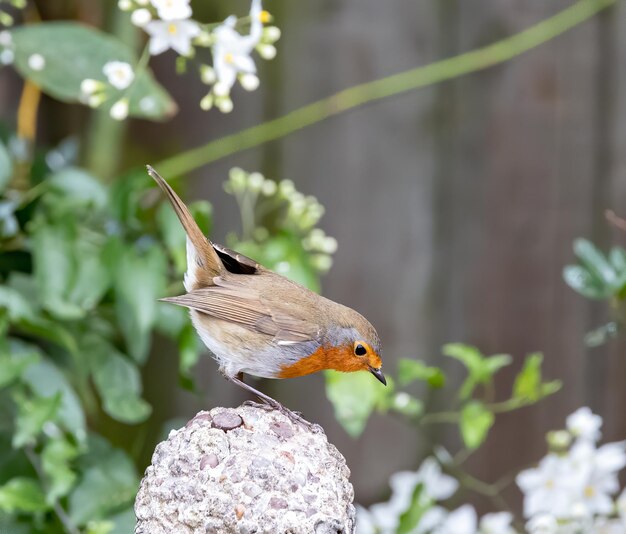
(584, 424)
(497, 523)
(231, 51)
(621, 505)
(437, 486)
(432, 518)
(551, 487)
(207, 74)
(542, 524)
(36, 62)
(119, 74)
(141, 17)
(364, 521)
(125, 5)
(601, 466)
(460, 521)
(175, 34)
(89, 87)
(119, 110)
(5, 38)
(172, 9)
(7, 56)
(266, 51)
(224, 104)
(249, 82)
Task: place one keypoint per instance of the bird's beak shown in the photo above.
(379, 375)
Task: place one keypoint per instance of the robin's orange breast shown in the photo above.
(337, 358)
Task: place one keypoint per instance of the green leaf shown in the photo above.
(32, 415)
(480, 368)
(107, 486)
(354, 397)
(139, 280)
(585, 283)
(54, 267)
(79, 186)
(406, 404)
(476, 420)
(11, 524)
(411, 370)
(56, 458)
(22, 494)
(14, 362)
(189, 348)
(527, 384)
(72, 53)
(123, 522)
(617, 257)
(595, 261)
(45, 379)
(494, 363)
(15, 304)
(411, 517)
(6, 167)
(118, 383)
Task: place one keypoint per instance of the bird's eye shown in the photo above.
(360, 350)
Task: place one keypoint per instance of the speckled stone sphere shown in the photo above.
(245, 470)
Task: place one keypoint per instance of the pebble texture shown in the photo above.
(245, 470)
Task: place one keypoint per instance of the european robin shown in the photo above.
(257, 322)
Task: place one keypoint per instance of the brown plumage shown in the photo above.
(258, 322)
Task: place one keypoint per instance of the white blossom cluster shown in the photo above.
(574, 487)
(257, 195)
(434, 486)
(573, 490)
(119, 76)
(170, 25)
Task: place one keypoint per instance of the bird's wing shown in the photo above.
(235, 303)
(235, 262)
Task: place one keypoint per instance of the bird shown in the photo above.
(260, 323)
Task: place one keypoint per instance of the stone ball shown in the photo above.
(245, 470)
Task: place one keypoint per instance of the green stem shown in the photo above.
(359, 95)
(105, 138)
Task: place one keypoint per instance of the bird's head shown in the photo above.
(358, 347)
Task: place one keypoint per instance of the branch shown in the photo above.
(359, 95)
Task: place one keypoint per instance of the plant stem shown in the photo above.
(105, 137)
(359, 95)
(66, 521)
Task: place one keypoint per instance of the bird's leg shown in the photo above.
(267, 399)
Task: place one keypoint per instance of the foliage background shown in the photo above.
(455, 206)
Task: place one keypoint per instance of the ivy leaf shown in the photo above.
(139, 280)
(106, 486)
(355, 396)
(32, 415)
(118, 383)
(45, 379)
(476, 420)
(79, 186)
(411, 370)
(72, 53)
(16, 360)
(22, 494)
(55, 462)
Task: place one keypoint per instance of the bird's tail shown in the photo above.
(203, 263)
